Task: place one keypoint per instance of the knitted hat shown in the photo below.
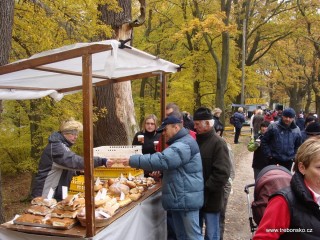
(168, 120)
(289, 112)
(202, 113)
(313, 129)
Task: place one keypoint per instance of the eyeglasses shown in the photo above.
(150, 123)
(72, 132)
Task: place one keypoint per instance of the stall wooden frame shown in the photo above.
(87, 85)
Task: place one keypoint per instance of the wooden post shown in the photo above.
(88, 143)
(163, 81)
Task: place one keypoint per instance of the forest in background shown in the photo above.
(275, 42)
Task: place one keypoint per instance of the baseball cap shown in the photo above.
(168, 120)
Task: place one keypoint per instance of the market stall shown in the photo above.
(144, 219)
(80, 67)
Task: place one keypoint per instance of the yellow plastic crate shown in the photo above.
(77, 182)
(104, 173)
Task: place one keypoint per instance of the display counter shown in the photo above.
(143, 219)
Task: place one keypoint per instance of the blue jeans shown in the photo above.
(212, 225)
(186, 225)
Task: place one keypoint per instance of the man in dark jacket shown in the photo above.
(238, 121)
(182, 182)
(216, 170)
(58, 164)
(282, 140)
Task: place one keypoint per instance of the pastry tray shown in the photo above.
(45, 225)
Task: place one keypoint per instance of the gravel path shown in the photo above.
(237, 223)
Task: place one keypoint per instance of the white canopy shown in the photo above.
(59, 71)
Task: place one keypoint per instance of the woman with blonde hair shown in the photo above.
(148, 131)
(294, 212)
(58, 164)
(218, 126)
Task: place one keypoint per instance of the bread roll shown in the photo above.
(43, 202)
(39, 210)
(62, 222)
(30, 218)
(117, 188)
(58, 213)
(125, 202)
(131, 184)
(135, 196)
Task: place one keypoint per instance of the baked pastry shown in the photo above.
(124, 202)
(39, 210)
(77, 204)
(131, 184)
(99, 203)
(135, 196)
(61, 222)
(58, 213)
(97, 187)
(43, 201)
(117, 188)
(30, 218)
(69, 200)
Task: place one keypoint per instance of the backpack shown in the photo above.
(232, 120)
(271, 179)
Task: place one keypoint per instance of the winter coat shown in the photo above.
(259, 158)
(216, 169)
(256, 122)
(281, 142)
(238, 119)
(218, 126)
(300, 122)
(304, 211)
(149, 138)
(57, 166)
(182, 182)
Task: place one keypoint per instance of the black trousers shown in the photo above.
(236, 135)
(286, 164)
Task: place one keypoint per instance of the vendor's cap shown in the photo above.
(168, 120)
(71, 126)
(313, 129)
(202, 113)
(289, 112)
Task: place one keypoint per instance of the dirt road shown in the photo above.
(237, 223)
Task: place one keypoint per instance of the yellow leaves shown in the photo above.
(213, 25)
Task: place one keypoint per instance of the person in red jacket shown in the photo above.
(293, 212)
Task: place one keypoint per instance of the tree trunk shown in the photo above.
(116, 128)
(223, 79)
(6, 23)
(119, 125)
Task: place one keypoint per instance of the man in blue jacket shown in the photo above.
(282, 140)
(182, 182)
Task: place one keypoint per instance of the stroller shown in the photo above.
(271, 179)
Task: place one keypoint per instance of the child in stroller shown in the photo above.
(271, 179)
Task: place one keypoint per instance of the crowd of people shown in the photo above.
(189, 139)
(291, 141)
(196, 167)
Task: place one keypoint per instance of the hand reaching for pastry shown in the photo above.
(125, 162)
(109, 163)
(155, 174)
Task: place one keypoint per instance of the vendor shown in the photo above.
(58, 164)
